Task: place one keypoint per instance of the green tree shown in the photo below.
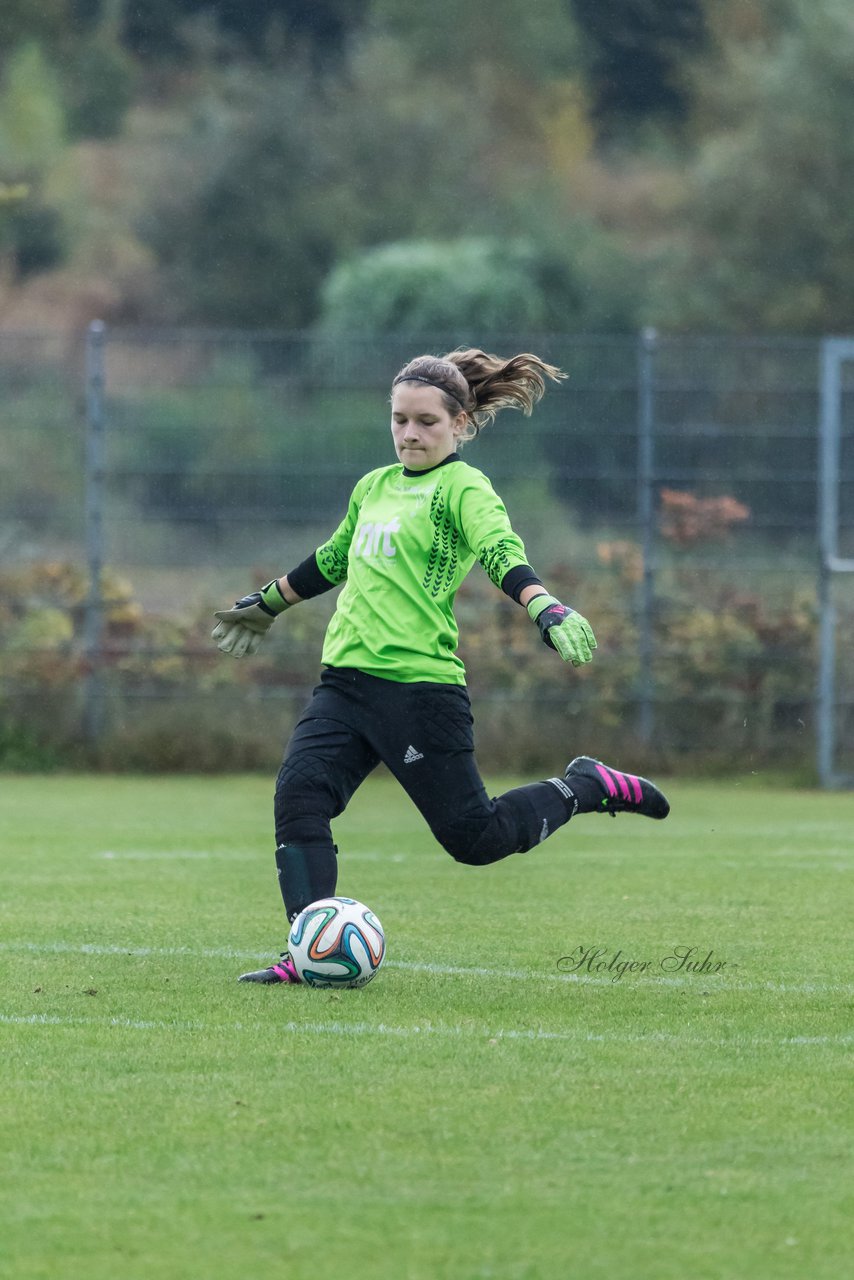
(242, 230)
(636, 53)
(513, 38)
(98, 73)
(290, 172)
(770, 243)
(99, 87)
(156, 29)
(22, 21)
(32, 138)
(32, 119)
(480, 285)
(433, 286)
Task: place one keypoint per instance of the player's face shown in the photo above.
(424, 432)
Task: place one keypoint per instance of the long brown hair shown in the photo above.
(481, 384)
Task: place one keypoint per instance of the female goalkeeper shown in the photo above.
(392, 687)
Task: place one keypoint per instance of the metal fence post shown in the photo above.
(833, 352)
(646, 522)
(93, 704)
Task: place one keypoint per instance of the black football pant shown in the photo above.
(423, 734)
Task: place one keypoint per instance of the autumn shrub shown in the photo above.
(731, 673)
(687, 519)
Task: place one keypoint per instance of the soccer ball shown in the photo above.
(336, 942)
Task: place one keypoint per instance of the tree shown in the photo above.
(457, 133)
(98, 74)
(514, 38)
(433, 286)
(636, 55)
(770, 242)
(32, 136)
(480, 285)
(244, 230)
(293, 173)
(23, 22)
(154, 29)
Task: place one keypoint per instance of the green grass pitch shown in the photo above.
(478, 1110)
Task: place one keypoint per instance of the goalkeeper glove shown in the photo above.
(240, 630)
(563, 629)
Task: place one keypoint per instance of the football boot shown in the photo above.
(621, 792)
(284, 971)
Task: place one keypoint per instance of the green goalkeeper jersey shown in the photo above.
(405, 545)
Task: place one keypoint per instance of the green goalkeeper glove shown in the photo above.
(563, 629)
(240, 630)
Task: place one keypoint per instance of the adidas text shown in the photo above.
(412, 755)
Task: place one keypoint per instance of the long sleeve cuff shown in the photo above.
(515, 580)
(307, 580)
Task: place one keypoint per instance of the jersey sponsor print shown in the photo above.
(402, 550)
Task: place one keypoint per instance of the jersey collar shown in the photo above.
(452, 457)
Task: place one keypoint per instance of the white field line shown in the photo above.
(188, 855)
(383, 1029)
(712, 981)
(818, 862)
(145, 855)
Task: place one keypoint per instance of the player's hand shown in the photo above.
(239, 631)
(563, 629)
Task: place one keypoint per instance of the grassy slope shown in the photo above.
(159, 1119)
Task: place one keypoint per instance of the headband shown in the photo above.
(428, 382)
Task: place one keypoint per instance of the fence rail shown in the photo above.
(670, 488)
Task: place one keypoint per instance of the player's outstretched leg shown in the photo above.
(601, 789)
(283, 971)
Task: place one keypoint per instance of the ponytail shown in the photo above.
(482, 384)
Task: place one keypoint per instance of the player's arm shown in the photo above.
(240, 630)
(562, 629)
(500, 551)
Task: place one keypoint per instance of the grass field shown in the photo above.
(478, 1110)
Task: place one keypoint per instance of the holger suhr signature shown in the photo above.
(616, 964)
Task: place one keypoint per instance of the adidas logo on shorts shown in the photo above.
(412, 755)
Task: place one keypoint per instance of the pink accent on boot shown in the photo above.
(286, 970)
(623, 791)
(625, 780)
(605, 775)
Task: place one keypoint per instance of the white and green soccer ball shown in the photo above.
(336, 942)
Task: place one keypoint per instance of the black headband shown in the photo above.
(428, 382)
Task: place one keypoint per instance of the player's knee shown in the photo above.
(304, 801)
(468, 844)
(301, 780)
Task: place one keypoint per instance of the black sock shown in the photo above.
(581, 795)
(307, 872)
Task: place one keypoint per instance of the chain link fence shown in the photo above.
(669, 490)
